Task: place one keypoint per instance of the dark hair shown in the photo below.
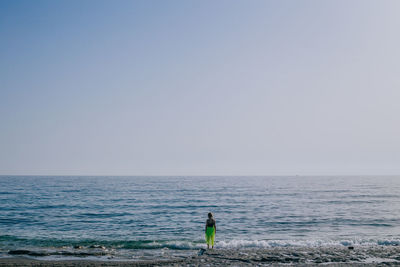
(210, 215)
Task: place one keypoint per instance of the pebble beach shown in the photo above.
(331, 256)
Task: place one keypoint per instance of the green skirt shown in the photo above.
(210, 235)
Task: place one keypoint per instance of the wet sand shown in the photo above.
(331, 256)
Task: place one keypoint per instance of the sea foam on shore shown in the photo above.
(336, 256)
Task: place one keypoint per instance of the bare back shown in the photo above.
(210, 222)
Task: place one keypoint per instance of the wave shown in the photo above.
(13, 242)
(231, 244)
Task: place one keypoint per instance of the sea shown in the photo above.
(145, 217)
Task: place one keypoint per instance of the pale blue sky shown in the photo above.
(199, 87)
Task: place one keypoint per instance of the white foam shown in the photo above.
(228, 244)
(379, 260)
(239, 243)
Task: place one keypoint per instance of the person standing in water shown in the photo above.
(211, 229)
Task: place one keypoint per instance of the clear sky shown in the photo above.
(199, 87)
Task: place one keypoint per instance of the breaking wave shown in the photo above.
(17, 243)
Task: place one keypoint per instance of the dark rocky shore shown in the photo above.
(331, 256)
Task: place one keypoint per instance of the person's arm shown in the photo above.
(215, 226)
(206, 228)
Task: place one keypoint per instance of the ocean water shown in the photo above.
(146, 217)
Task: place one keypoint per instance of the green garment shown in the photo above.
(210, 235)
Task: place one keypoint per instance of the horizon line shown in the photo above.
(198, 175)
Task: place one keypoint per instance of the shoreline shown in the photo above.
(331, 256)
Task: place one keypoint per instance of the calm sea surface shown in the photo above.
(131, 216)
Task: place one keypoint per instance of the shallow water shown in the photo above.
(148, 216)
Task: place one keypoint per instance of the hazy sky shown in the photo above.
(199, 87)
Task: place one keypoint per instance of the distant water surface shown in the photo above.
(130, 216)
